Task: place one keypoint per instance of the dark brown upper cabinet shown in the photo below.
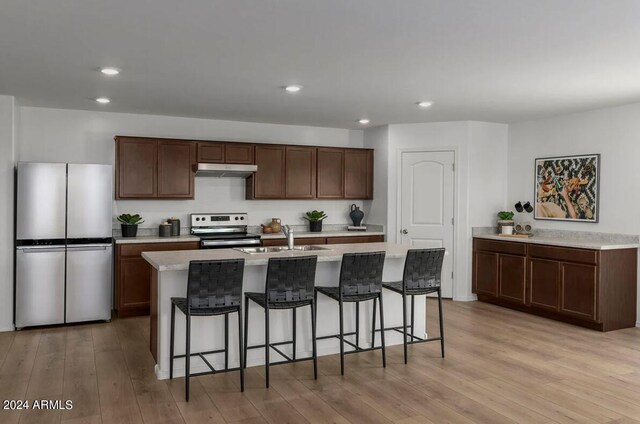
(300, 172)
(149, 168)
(358, 174)
(136, 168)
(175, 169)
(223, 152)
(269, 181)
(330, 173)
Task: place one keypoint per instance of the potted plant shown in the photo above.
(129, 224)
(315, 220)
(505, 219)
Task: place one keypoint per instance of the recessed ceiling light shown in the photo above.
(364, 121)
(103, 100)
(425, 104)
(293, 88)
(110, 71)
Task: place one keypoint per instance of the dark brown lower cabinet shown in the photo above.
(592, 288)
(133, 275)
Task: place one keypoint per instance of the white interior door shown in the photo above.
(426, 202)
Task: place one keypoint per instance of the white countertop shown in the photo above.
(179, 260)
(307, 234)
(155, 239)
(580, 243)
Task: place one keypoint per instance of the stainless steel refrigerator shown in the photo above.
(63, 243)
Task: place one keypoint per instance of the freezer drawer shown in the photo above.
(40, 285)
(89, 282)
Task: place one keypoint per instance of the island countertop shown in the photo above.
(179, 260)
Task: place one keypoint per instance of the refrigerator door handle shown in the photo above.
(41, 249)
(88, 247)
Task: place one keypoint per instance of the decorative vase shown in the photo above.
(275, 225)
(129, 230)
(356, 215)
(315, 226)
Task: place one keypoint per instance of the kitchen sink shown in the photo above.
(275, 249)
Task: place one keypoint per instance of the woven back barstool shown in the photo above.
(213, 288)
(421, 276)
(289, 285)
(360, 281)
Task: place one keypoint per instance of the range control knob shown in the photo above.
(242, 218)
(197, 219)
(236, 218)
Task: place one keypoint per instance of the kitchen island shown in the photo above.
(169, 279)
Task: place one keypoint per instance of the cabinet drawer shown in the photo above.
(512, 248)
(138, 248)
(354, 239)
(310, 240)
(563, 254)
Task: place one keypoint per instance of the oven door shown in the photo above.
(228, 244)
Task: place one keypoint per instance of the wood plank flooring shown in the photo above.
(502, 366)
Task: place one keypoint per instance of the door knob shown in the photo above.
(405, 231)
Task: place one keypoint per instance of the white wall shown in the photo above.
(7, 119)
(378, 139)
(480, 149)
(57, 135)
(612, 132)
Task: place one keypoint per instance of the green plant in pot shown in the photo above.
(129, 224)
(505, 219)
(315, 220)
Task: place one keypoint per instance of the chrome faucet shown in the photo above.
(288, 232)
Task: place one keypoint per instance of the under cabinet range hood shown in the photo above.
(225, 170)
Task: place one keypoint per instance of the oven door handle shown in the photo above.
(217, 243)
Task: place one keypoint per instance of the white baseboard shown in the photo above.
(9, 328)
(470, 298)
(637, 323)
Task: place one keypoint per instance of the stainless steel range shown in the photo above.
(222, 230)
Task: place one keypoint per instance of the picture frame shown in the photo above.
(575, 177)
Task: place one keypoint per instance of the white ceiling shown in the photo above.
(489, 60)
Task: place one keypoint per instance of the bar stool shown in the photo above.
(360, 281)
(421, 276)
(213, 288)
(289, 285)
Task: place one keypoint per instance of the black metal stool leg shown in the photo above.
(413, 321)
(441, 323)
(384, 353)
(340, 306)
(240, 349)
(172, 338)
(293, 332)
(404, 325)
(226, 341)
(358, 324)
(187, 359)
(373, 325)
(246, 330)
(266, 345)
(313, 341)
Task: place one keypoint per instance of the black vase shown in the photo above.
(315, 226)
(129, 230)
(356, 215)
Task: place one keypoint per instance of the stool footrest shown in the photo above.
(207, 363)
(356, 347)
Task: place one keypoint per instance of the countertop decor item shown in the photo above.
(276, 225)
(129, 224)
(315, 218)
(505, 219)
(567, 188)
(356, 215)
(164, 230)
(175, 226)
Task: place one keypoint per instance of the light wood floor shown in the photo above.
(502, 366)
